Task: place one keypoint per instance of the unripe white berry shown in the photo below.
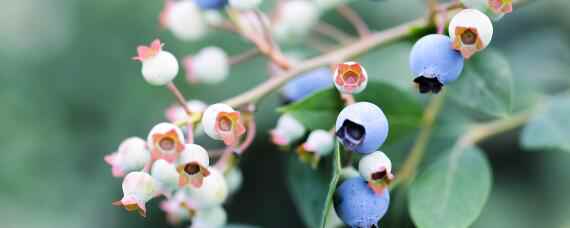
(138, 188)
(213, 192)
(159, 67)
(471, 31)
(185, 20)
(320, 141)
(177, 113)
(165, 141)
(295, 20)
(214, 217)
(166, 176)
(288, 129)
(210, 65)
(194, 153)
(222, 122)
(132, 155)
(375, 166)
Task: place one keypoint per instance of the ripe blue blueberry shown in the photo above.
(211, 4)
(362, 127)
(307, 83)
(358, 206)
(435, 63)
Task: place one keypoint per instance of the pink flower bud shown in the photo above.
(132, 155)
(138, 188)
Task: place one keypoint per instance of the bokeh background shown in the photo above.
(69, 94)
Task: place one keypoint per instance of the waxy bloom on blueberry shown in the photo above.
(165, 141)
(357, 205)
(434, 63)
(306, 84)
(193, 165)
(501, 6)
(177, 113)
(214, 217)
(159, 67)
(211, 4)
(213, 192)
(132, 155)
(166, 176)
(376, 168)
(184, 20)
(178, 208)
(319, 143)
(470, 31)
(138, 188)
(210, 65)
(295, 20)
(222, 122)
(350, 78)
(245, 4)
(288, 129)
(362, 127)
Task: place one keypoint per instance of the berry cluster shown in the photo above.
(196, 182)
(168, 163)
(436, 60)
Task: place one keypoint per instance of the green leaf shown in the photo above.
(550, 128)
(485, 86)
(317, 111)
(452, 192)
(311, 189)
(403, 110)
(390, 64)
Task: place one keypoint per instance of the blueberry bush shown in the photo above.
(314, 113)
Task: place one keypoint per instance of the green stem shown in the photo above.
(417, 152)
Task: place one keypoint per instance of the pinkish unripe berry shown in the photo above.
(165, 141)
(159, 67)
(350, 78)
(193, 165)
(138, 188)
(132, 155)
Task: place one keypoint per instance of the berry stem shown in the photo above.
(352, 16)
(179, 97)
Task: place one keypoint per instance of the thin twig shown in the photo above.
(355, 19)
(179, 97)
(244, 56)
(417, 152)
(333, 32)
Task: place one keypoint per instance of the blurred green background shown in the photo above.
(69, 94)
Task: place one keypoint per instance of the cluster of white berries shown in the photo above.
(167, 164)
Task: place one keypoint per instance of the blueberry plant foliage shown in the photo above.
(343, 110)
